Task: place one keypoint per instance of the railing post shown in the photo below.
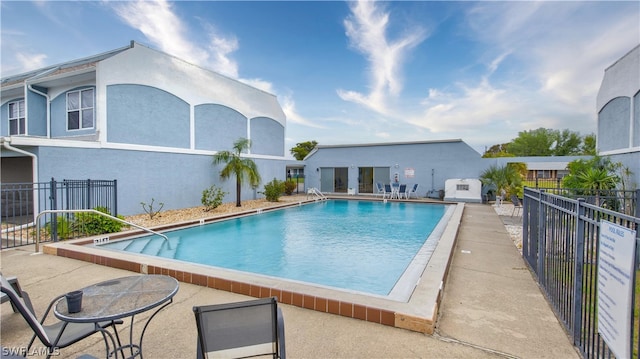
(578, 267)
(541, 239)
(525, 224)
(88, 193)
(53, 197)
(115, 198)
(637, 208)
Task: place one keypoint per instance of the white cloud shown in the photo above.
(470, 108)
(289, 108)
(158, 22)
(545, 68)
(366, 29)
(30, 61)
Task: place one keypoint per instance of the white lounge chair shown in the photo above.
(413, 190)
(387, 191)
(402, 191)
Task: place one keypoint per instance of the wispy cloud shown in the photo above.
(366, 29)
(159, 23)
(30, 61)
(289, 108)
(554, 67)
(467, 108)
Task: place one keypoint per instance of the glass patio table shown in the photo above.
(120, 298)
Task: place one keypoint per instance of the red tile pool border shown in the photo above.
(423, 322)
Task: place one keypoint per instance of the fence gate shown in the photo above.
(21, 203)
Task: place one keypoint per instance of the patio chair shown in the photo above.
(516, 205)
(413, 190)
(402, 191)
(56, 335)
(387, 191)
(380, 188)
(13, 281)
(240, 329)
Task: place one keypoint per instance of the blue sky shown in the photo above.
(363, 72)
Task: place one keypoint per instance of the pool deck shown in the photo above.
(491, 307)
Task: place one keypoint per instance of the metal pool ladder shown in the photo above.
(315, 192)
(91, 211)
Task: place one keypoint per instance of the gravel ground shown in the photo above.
(513, 225)
(194, 213)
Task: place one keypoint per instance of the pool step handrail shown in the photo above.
(314, 191)
(37, 221)
(172, 250)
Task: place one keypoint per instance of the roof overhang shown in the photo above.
(537, 166)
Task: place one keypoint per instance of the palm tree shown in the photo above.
(505, 178)
(597, 180)
(243, 168)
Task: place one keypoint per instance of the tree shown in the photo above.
(597, 173)
(545, 142)
(302, 149)
(505, 178)
(589, 144)
(244, 169)
(567, 143)
(597, 179)
(501, 150)
(533, 143)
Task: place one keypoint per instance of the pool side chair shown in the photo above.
(13, 281)
(380, 189)
(241, 329)
(56, 335)
(516, 205)
(402, 191)
(387, 191)
(413, 190)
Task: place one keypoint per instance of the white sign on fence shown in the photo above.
(615, 281)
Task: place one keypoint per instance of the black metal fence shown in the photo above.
(21, 203)
(544, 182)
(560, 244)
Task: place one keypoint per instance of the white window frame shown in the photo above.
(82, 108)
(20, 118)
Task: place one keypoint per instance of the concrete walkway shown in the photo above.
(492, 308)
(491, 298)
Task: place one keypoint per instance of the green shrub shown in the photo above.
(289, 187)
(273, 190)
(212, 197)
(64, 228)
(93, 223)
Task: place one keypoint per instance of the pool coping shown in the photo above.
(418, 314)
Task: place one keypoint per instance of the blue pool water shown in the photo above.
(363, 246)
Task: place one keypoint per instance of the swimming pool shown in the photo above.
(355, 245)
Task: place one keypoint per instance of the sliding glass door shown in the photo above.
(341, 179)
(369, 176)
(334, 179)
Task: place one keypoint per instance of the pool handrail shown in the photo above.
(37, 222)
(314, 191)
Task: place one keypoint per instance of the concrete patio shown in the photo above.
(492, 308)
